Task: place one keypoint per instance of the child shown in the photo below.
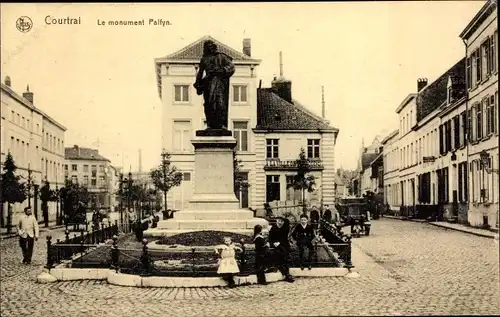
(228, 266)
(303, 234)
(261, 253)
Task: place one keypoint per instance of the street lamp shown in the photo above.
(29, 184)
(486, 162)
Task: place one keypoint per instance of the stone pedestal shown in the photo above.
(214, 205)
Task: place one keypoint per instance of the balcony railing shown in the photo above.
(277, 164)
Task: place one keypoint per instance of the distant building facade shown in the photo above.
(86, 167)
(35, 141)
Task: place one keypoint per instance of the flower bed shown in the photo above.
(197, 258)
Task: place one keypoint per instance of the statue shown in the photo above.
(218, 68)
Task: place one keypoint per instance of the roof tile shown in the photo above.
(83, 153)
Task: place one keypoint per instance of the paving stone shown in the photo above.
(405, 268)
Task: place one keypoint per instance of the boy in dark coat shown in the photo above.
(261, 254)
(278, 238)
(303, 234)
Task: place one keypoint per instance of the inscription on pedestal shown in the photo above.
(214, 173)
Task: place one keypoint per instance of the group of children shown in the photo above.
(275, 251)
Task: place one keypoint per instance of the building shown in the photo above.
(366, 182)
(269, 126)
(36, 142)
(391, 163)
(480, 37)
(86, 167)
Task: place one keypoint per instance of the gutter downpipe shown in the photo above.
(467, 138)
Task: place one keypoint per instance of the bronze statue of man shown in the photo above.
(218, 68)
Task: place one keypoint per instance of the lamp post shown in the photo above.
(29, 185)
(487, 166)
(121, 197)
(129, 190)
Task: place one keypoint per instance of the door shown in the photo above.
(272, 188)
(242, 192)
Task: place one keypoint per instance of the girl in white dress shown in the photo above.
(228, 267)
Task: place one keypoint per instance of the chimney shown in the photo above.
(7, 81)
(247, 47)
(140, 160)
(323, 101)
(28, 95)
(421, 83)
(281, 86)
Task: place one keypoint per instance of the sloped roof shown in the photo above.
(83, 153)
(275, 113)
(435, 94)
(194, 51)
(367, 159)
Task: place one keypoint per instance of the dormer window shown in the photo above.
(449, 91)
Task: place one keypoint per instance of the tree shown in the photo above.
(301, 181)
(73, 196)
(348, 177)
(239, 182)
(165, 176)
(46, 195)
(12, 190)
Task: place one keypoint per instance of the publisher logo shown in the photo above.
(24, 24)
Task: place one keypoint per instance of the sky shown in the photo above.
(99, 81)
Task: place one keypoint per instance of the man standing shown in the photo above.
(278, 238)
(27, 228)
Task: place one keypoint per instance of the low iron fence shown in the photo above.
(81, 243)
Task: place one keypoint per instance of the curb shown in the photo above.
(484, 235)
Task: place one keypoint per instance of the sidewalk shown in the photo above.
(452, 226)
(4, 235)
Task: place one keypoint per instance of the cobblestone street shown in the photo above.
(406, 268)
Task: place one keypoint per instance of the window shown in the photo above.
(13, 116)
(74, 179)
(490, 116)
(65, 167)
(313, 148)
(469, 126)
(272, 146)
(479, 65)
(240, 93)
(441, 140)
(18, 119)
(94, 170)
(456, 132)
(485, 50)
(102, 182)
(85, 168)
(181, 93)
(86, 180)
(463, 128)
(74, 168)
(492, 53)
(292, 194)
(101, 168)
(240, 133)
(186, 177)
(182, 136)
(23, 122)
(479, 122)
(468, 74)
(93, 182)
(462, 182)
(37, 128)
(449, 95)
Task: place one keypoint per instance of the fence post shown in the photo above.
(145, 258)
(49, 253)
(82, 241)
(115, 254)
(193, 259)
(348, 262)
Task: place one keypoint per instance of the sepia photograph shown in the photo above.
(249, 159)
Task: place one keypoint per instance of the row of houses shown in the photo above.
(443, 158)
(36, 142)
(270, 127)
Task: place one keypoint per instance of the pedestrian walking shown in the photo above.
(278, 238)
(261, 254)
(228, 267)
(303, 234)
(28, 232)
